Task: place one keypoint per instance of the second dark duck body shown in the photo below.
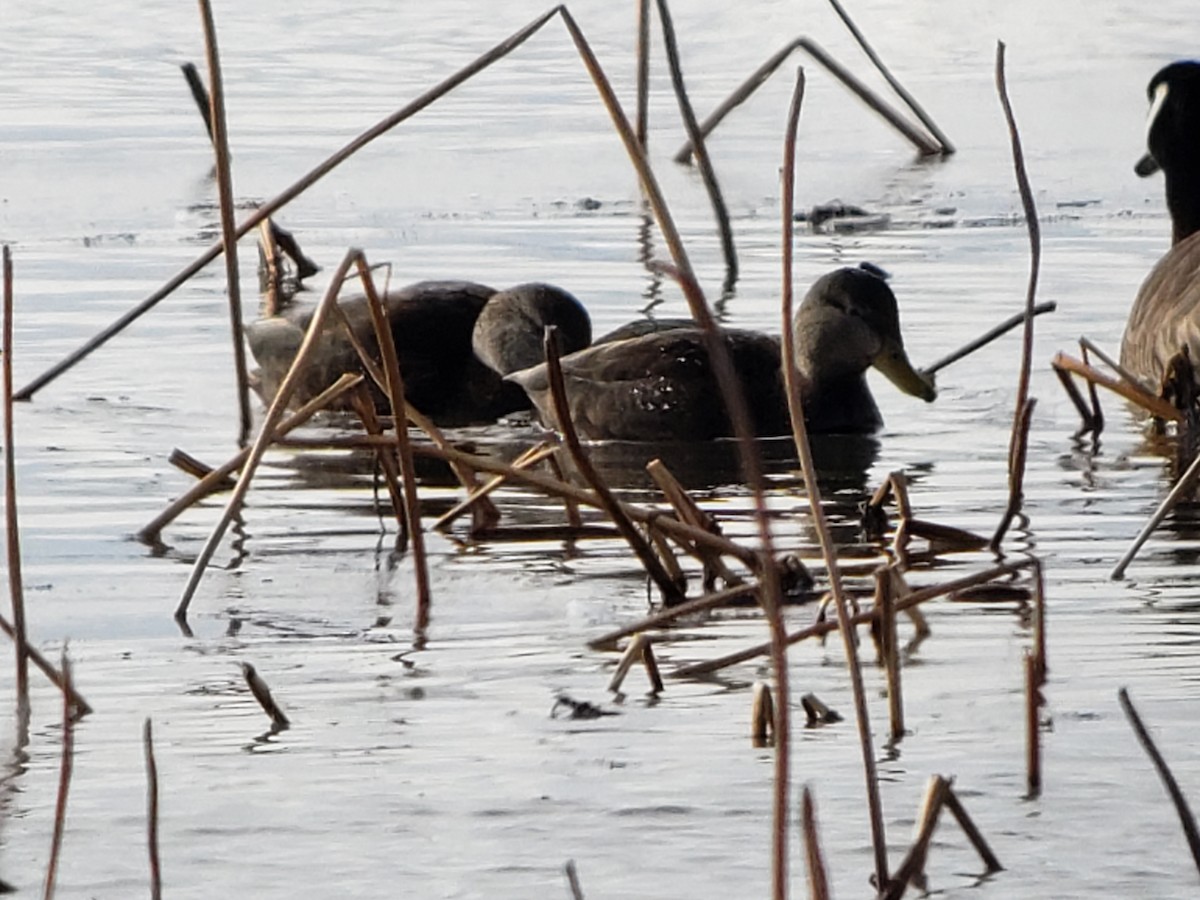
(661, 386)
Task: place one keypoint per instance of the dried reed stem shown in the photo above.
(364, 407)
(289, 194)
(1181, 489)
(643, 72)
(152, 811)
(987, 337)
(967, 824)
(670, 591)
(925, 146)
(570, 506)
(395, 385)
(16, 586)
(640, 649)
(666, 616)
(220, 140)
(1033, 743)
(909, 100)
(792, 377)
(266, 434)
(885, 601)
(913, 865)
(262, 694)
(699, 149)
(530, 457)
(216, 479)
(689, 511)
(1039, 622)
(819, 629)
(818, 881)
(573, 881)
(1132, 392)
(1182, 809)
(64, 781)
(762, 714)
(1023, 411)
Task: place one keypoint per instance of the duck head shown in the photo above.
(1173, 141)
(848, 323)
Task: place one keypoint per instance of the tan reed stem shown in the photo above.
(64, 781)
(967, 824)
(289, 194)
(364, 407)
(762, 714)
(665, 616)
(571, 507)
(1156, 406)
(266, 434)
(395, 385)
(220, 140)
(643, 72)
(885, 600)
(689, 511)
(16, 585)
(915, 136)
(913, 864)
(818, 880)
(670, 591)
(262, 693)
(987, 337)
(707, 173)
(791, 377)
(216, 479)
(1022, 412)
(1033, 738)
(909, 100)
(1181, 489)
(152, 811)
(530, 457)
(1182, 809)
(1039, 624)
(818, 629)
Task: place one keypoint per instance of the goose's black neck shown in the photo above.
(1183, 202)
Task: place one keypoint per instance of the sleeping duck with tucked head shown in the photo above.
(661, 386)
(1165, 319)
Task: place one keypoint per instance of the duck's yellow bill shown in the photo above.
(893, 362)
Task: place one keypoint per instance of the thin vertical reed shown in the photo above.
(573, 881)
(220, 140)
(818, 880)
(828, 550)
(395, 384)
(1033, 737)
(64, 781)
(699, 148)
(1022, 412)
(1039, 622)
(16, 585)
(152, 811)
(643, 72)
(886, 600)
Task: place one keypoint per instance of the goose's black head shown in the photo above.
(1173, 141)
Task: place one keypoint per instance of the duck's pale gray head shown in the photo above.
(848, 323)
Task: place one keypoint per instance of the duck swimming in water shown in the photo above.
(660, 385)
(1165, 318)
(445, 332)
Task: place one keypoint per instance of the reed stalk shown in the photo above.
(762, 714)
(16, 584)
(152, 811)
(220, 141)
(262, 693)
(1033, 736)
(818, 880)
(642, 75)
(66, 767)
(889, 641)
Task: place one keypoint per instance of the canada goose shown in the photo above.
(1165, 319)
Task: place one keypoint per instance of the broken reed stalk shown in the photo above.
(16, 586)
(818, 880)
(289, 194)
(643, 72)
(988, 336)
(970, 829)
(229, 238)
(791, 377)
(395, 385)
(64, 781)
(1033, 737)
(1181, 489)
(1039, 622)
(1182, 809)
(699, 150)
(152, 811)
(82, 707)
(1023, 411)
(762, 714)
(913, 865)
(364, 407)
(216, 479)
(925, 146)
(189, 465)
(573, 881)
(266, 434)
(667, 587)
(885, 600)
(666, 616)
(639, 650)
(819, 629)
(530, 457)
(909, 100)
(199, 94)
(262, 693)
(689, 511)
(1156, 406)
(569, 505)
(666, 555)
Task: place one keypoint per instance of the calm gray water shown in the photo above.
(440, 773)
